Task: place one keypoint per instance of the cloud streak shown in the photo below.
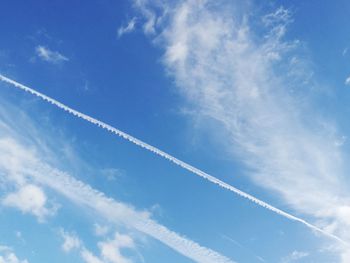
(23, 165)
(117, 213)
(50, 56)
(169, 157)
(294, 256)
(128, 28)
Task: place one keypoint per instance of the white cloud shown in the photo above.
(241, 81)
(111, 249)
(112, 173)
(88, 257)
(50, 56)
(127, 28)
(29, 199)
(8, 256)
(70, 241)
(277, 18)
(19, 236)
(150, 17)
(101, 230)
(294, 256)
(347, 81)
(4, 248)
(345, 51)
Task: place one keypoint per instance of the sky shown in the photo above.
(137, 131)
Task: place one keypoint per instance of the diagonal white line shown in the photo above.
(169, 157)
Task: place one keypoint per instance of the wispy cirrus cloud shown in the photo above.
(295, 256)
(128, 28)
(235, 68)
(50, 56)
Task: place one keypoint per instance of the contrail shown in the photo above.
(170, 158)
(84, 196)
(117, 212)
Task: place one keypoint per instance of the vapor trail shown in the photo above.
(169, 158)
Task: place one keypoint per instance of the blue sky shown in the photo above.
(255, 94)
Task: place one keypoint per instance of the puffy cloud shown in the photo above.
(88, 257)
(8, 256)
(111, 249)
(70, 241)
(29, 199)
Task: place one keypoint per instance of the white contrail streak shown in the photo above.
(168, 157)
(117, 212)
